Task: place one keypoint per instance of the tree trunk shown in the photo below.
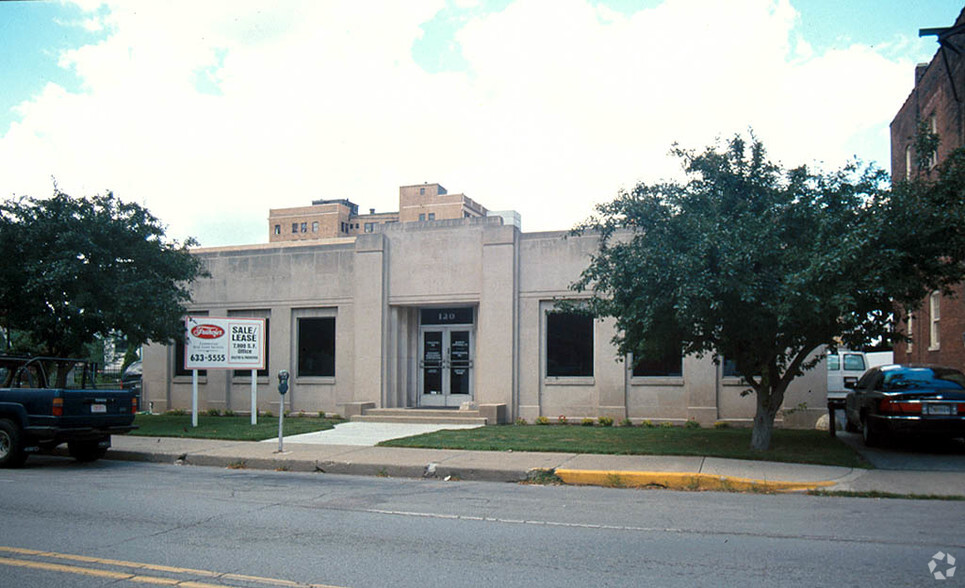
(768, 403)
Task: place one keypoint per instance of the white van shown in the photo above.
(844, 366)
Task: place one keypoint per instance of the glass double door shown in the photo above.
(445, 366)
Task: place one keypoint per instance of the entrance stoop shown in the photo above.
(421, 416)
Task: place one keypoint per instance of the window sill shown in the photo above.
(934, 348)
(188, 379)
(656, 381)
(319, 380)
(569, 381)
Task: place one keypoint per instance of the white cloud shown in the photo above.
(563, 103)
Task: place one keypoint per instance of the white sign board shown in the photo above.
(214, 343)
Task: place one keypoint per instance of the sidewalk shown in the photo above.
(683, 473)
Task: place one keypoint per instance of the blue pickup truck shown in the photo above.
(47, 401)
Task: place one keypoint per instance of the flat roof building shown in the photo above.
(457, 311)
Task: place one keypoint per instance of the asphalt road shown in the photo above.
(911, 454)
(128, 519)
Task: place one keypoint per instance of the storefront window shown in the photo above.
(569, 345)
(316, 346)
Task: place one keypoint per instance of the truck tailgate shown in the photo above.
(96, 408)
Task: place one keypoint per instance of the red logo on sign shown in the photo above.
(207, 331)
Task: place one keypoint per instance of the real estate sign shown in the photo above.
(224, 343)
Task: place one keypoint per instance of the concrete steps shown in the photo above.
(421, 416)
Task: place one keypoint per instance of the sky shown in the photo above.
(211, 113)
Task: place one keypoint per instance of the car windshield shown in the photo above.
(922, 378)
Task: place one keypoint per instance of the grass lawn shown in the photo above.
(233, 428)
(793, 446)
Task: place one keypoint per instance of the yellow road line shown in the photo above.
(137, 566)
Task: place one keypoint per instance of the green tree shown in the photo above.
(762, 265)
(75, 269)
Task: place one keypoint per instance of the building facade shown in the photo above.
(329, 219)
(442, 314)
(937, 103)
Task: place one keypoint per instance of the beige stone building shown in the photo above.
(449, 313)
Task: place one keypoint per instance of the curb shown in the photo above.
(605, 478)
(682, 481)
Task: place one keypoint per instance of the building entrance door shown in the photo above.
(445, 366)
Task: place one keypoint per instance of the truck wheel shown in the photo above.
(11, 447)
(86, 451)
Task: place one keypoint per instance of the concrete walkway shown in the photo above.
(351, 450)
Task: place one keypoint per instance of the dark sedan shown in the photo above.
(918, 400)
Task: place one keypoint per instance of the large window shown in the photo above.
(316, 346)
(668, 364)
(569, 345)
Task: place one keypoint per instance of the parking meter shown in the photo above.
(282, 388)
(282, 382)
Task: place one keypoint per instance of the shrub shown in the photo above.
(268, 414)
(587, 422)
(626, 423)
(321, 414)
(212, 412)
(541, 420)
(176, 412)
(721, 425)
(336, 417)
(648, 424)
(666, 425)
(229, 413)
(606, 421)
(521, 421)
(692, 424)
(562, 419)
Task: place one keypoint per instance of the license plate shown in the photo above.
(938, 409)
(98, 408)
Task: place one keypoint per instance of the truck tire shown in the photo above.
(11, 445)
(86, 451)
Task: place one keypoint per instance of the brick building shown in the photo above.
(331, 219)
(937, 328)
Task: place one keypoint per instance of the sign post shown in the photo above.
(215, 343)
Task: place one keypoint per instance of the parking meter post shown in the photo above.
(282, 389)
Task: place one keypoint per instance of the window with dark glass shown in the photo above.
(730, 369)
(316, 346)
(294, 227)
(668, 364)
(569, 344)
(278, 229)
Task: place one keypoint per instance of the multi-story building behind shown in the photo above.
(331, 219)
(936, 105)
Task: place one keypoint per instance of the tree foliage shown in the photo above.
(73, 269)
(763, 265)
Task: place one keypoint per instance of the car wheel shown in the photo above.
(871, 437)
(11, 447)
(86, 451)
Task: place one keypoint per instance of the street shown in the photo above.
(283, 527)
